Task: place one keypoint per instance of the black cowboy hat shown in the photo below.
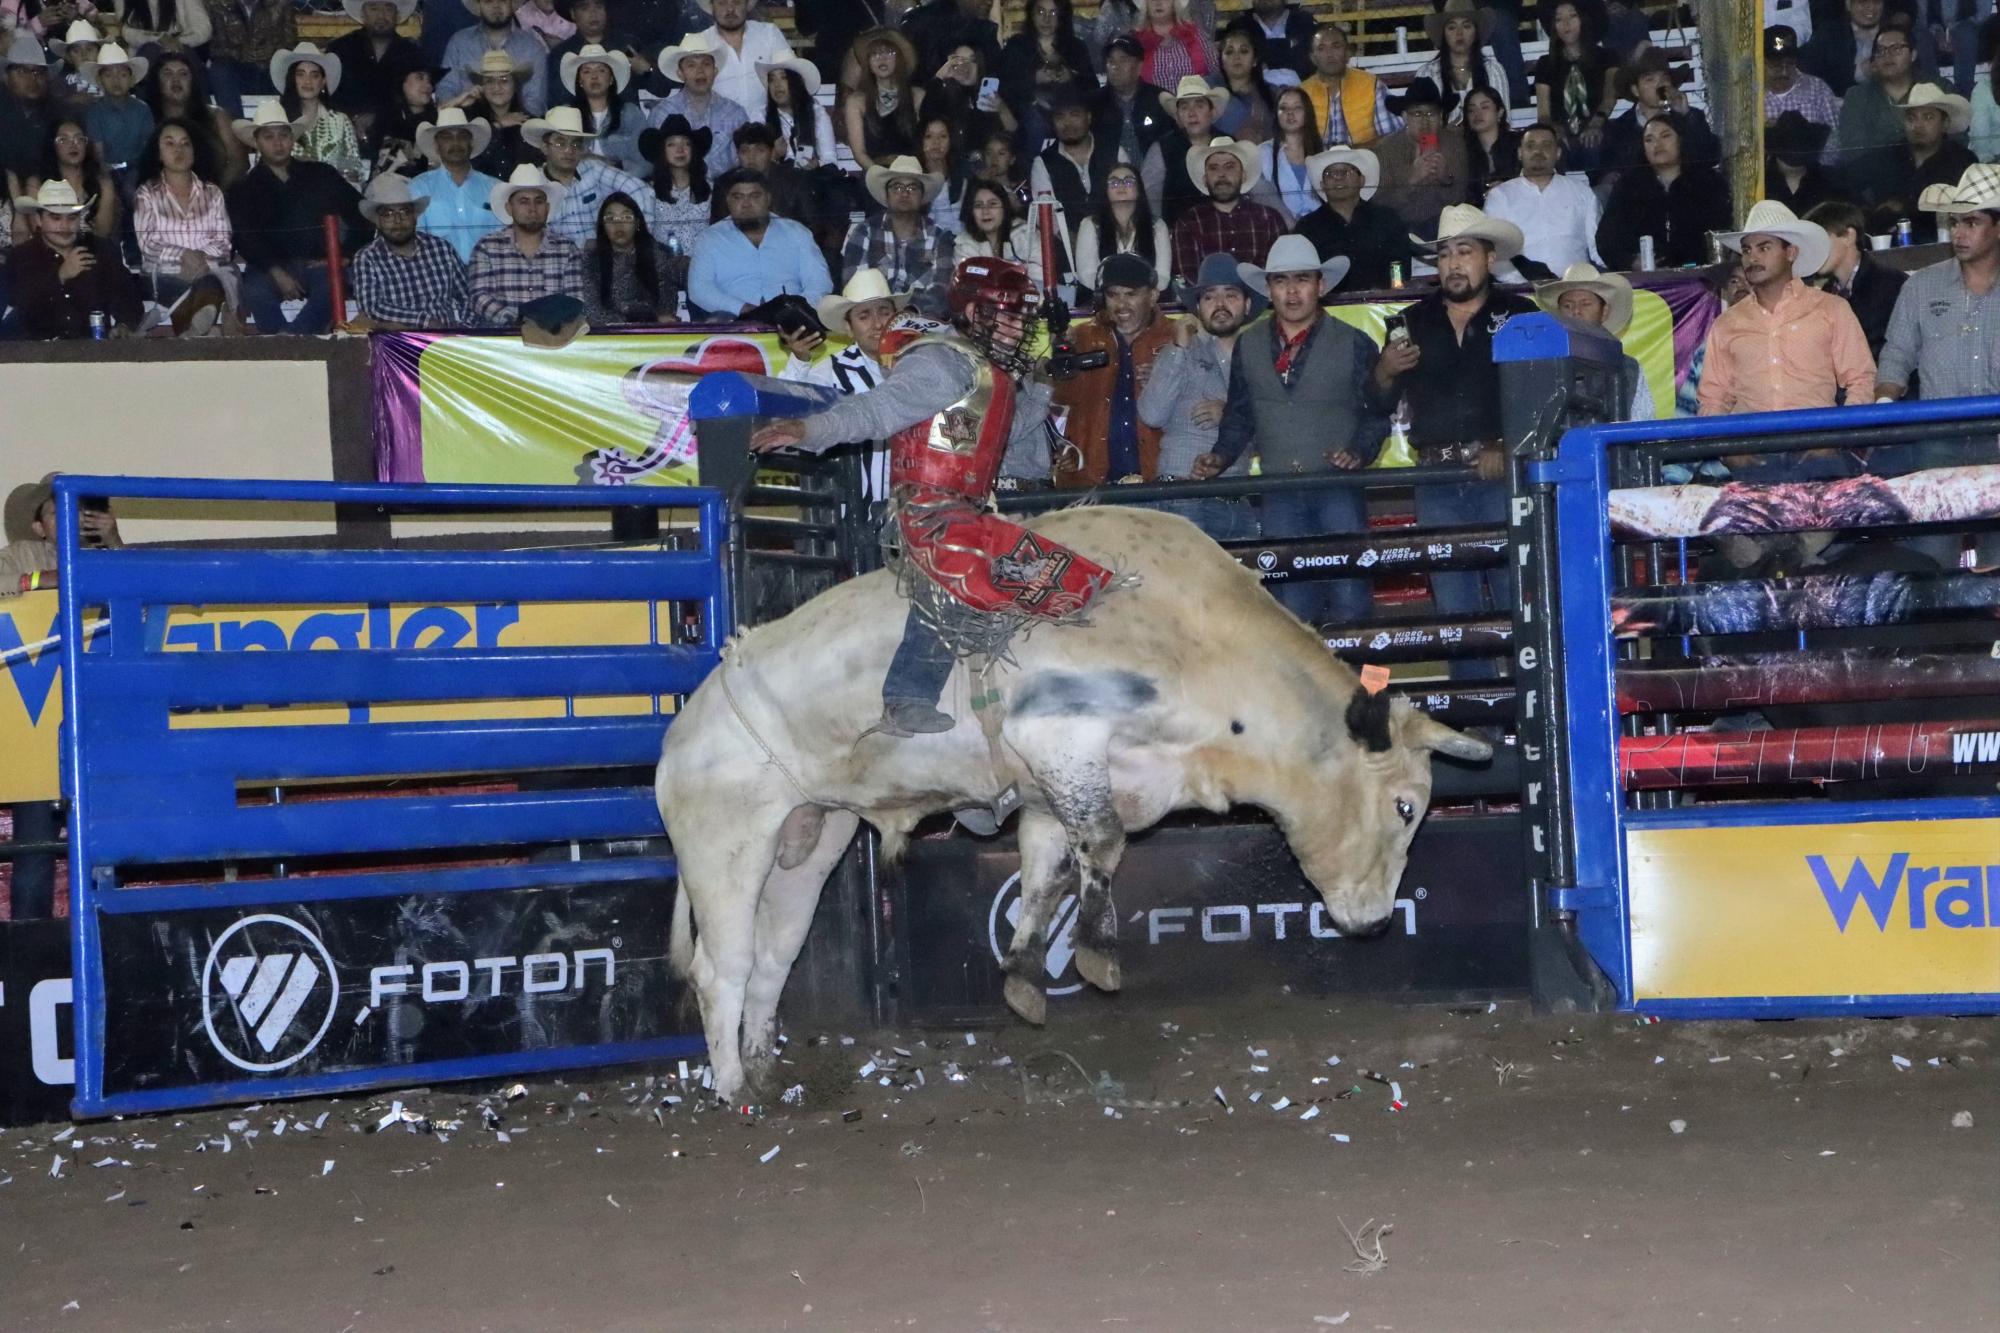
(1421, 92)
(400, 66)
(1793, 136)
(651, 141)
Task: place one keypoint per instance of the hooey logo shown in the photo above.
(268, 993)
(1005, 914)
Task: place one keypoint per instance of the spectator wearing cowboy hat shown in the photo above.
(593, 28)
(1352, 104)
(586, 182)
(1112, 442)
(801, 129)
(27, 112)
(741, 43)
(693, 65)
(277, 211)
(1227, 222)
(119, 122)
(244, 36)
(373, 59)
(1603, 299)
(405, 278)
(880, 97)
(1169, 189)
(1425, 167)
(305, 76)
(1649, 82)
(863, 311)
(1676, 202)
(459, 210)
(1929, 154)
(1189, 388)
(60, 275)
(680, 206)
(1852, 274)
(1945, 328)
(1870, 126)
(909, 249)
(1350, 223)
(73, 49)
(1298, 395)
(1557, 214)
(596, 81)
(750, 257)
(1445, 372)
(495, 97)
(497, 31)
(1789, 88)
(523, 261)
(389, 133)
(1789, 345)
(1459, 32)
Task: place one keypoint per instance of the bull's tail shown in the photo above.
(680, 948)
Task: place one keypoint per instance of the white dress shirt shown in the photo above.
(736, 75)
(1559, 222)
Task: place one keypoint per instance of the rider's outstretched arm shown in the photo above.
(923, 382)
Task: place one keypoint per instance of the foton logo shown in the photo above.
(1953, 896)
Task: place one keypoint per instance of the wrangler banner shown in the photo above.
(1903, 907)
(612, 410)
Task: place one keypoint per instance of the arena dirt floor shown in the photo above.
(1543, 1173)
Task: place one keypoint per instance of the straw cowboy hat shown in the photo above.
(55, 196)
(80, 32)
(498, 62)
(617, 62)
(1293, 253)
(807, 71)
(1977, 191)
(1454, 9)
(472, 6)
(111, 53)
(858, 49)
(560, 120)
(1957, 110)
(866, 285)
(902, 168)
(269, 112)
(1465, 222)
(24, 505)
(305, 53)
(1193, 85)
(1771, 218)
(1246, 153)
(404, 8)
(703, 43)
(389, 189)
(524, 180)
(1360, 159)
(1610, 288)
(453, 118)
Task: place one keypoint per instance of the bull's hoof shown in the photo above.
(1026, 999)
(1100, 969)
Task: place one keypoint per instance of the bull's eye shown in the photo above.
(1405, 809)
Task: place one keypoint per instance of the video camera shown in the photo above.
(1064, 362)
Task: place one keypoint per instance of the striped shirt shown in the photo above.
(1945, 333)
(851, 371)
(1809, 96)
(426, 288)
(166, 228)
(502, 279)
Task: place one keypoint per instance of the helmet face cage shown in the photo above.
(982, 324)
(982, 289)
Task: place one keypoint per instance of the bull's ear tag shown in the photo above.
(1374, 677)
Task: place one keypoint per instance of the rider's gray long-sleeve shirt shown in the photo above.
(923, 382)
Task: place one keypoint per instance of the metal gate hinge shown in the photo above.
(1578, 899)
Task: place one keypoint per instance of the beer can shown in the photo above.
(1903, 235)
(1645, 254)
(100, 326)
(1396, 275)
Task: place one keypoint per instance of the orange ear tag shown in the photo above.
(1374, 677)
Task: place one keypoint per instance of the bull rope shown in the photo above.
(722, 672)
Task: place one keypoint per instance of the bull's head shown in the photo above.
(1351, 820)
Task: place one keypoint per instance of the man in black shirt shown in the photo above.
(1371, 236)
(1446, 365)
(373, 60)
(277, 213)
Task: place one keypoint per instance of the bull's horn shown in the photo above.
(1426, 732)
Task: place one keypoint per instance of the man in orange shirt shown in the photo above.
(1790, 345)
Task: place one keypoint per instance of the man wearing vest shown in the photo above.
(1351, 104)
(862, 310)
(1298, 394)
(1169, 188)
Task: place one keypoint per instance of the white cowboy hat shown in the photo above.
(453, 118)
(1193, 85)
(1977, 191)
(805, 69)
(617, 62)
(1957, 110)
(1361, 159)
(390, 188)
(1244, 152)
(79, 31)
(1293, 253)
(866, 285)
(902, 168)
(703, 43)
(56, 196)
(404, 8)
(111, 53)
(1771, 218)
(1465, 222)
(560, 120)
(269, 112)
(1610, 288)
(524, 179)
(305, 53)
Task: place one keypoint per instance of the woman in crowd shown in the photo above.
(679, 154)
(1492, 147)
(991, 225)
(1676, 203)
(1459, 31)
(495, 97)
(1045, 56)
(178, 90)
(68, 154)
(1283, 180)
(304, 77)
(1985, 138)
(939, 151)
(596, 80)
(170, 25)
(1792, 173)
(628, 277)
(1174, 46)
(1123, 223)
(182, 225)
(392, 143)
(955, 91)
(1000, 165)
(1576, 83)
(880, 107)
(43, 19)
(1251, 114)
(793, 113)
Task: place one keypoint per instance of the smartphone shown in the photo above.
(1427, 143)
(989, 94)
(1395, 329)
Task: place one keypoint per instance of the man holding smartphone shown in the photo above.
(863, 310)
(29, 557)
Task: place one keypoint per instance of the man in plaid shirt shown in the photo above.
(1789, 88)
(404, 278)
(521, 262)
(1225, 222)
(910, 250)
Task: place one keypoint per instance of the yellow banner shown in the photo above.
(31, 707)
(1900, 908)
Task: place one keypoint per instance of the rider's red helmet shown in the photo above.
(1000, 284)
